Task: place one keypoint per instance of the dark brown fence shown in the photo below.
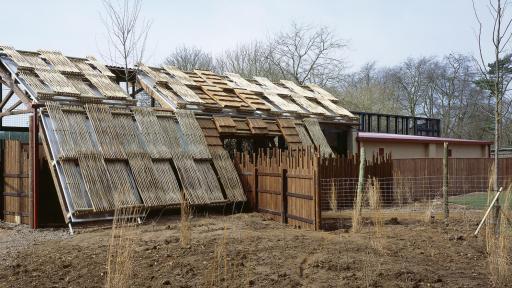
(283, 185)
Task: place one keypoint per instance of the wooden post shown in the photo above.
(284, 200)
(360, 182)
(445, 180)
(34, 159)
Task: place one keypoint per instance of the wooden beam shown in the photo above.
(9, 82)
(14, 106)
(16, 112)
(6, 99)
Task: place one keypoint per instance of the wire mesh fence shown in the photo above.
(401, 196)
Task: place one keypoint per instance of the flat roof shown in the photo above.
(384, 137)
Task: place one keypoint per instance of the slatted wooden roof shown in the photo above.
(235, 95)
(50, 76)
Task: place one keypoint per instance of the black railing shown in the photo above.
(398, 124)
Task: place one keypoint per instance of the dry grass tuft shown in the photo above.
(429, 212)
(333, 201)
(122, 245)
(185, 227)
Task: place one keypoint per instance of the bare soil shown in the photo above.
(258, 252)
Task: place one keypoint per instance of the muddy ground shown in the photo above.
(258, 253)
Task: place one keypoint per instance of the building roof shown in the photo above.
(51, 76)
(384, 137)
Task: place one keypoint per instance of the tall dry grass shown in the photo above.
(499, 253)
(185, 227)
(221, 271)
(375, 203)
(125, 231)
(402, 190)
(333, 201)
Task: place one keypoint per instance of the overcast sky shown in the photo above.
(385, 31)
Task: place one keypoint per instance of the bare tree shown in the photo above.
(248, 60)
(308, 54)
(494, 78)
(412, 80)
(127, 34)
(190, 58)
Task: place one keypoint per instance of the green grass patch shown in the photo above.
(474, 200)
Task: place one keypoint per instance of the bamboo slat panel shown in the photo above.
(83, 88)
(152, 133)
(296, 89)
(170, 132)
(178, 74)
(154, 73)
(194, 189)
(196, 142)
(335, 108)
(303, 135)
(107, 136)
(128, 133)
(106, 87)
(268, 86)
(57, 82)
(228, 175)
(308, 105)
(59, 61)
(96, 181)
(16, 57)
(282, 103)
(183, 91)
(83, 66)
(321, 93)
(34, 60)
(239, 82)
(318, 136)
(123, 189)
(210, 181)
(73, 180)
(36, 84)
(100, 67)
(168, 181)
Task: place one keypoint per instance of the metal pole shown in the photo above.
(35, 168)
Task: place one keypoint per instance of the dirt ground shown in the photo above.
(258, 252)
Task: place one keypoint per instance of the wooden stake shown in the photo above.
(488, 210)
(445, 180)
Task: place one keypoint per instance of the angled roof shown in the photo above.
(233, 94)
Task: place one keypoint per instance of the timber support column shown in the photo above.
(34, 158)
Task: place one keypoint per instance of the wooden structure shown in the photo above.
(284, 185)
(16, 204)
(104, 153)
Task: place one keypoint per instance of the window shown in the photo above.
(381, 151)
(449, 152)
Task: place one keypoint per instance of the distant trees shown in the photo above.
(190, 58)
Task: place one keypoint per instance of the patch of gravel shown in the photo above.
(14, 238)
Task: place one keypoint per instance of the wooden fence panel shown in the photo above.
(16, 182)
